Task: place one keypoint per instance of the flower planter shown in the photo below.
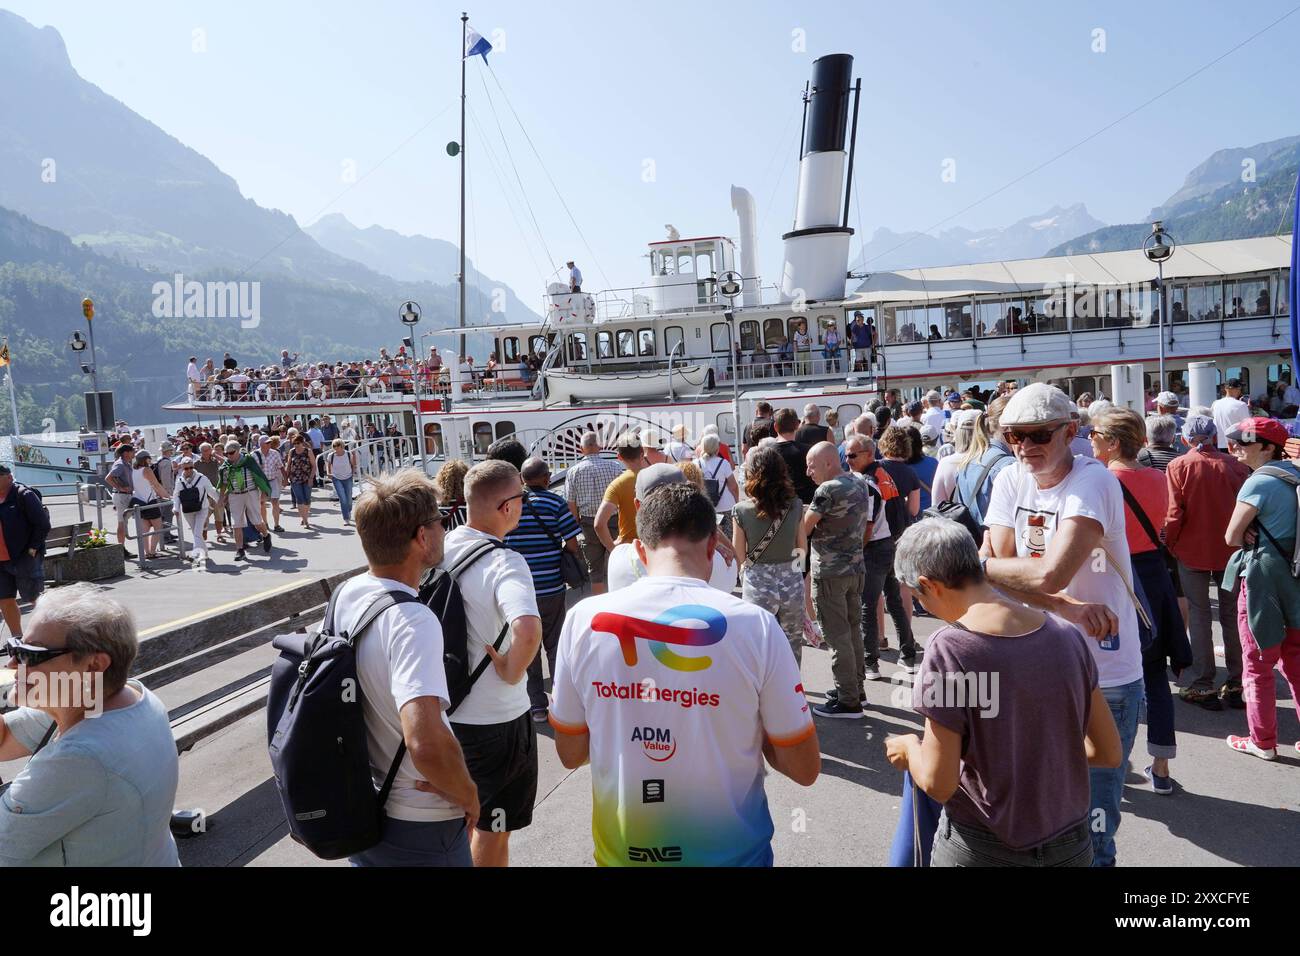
(94, 564)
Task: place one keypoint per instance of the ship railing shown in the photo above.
(133, 518)
(771, 366)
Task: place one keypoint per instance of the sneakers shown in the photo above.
(1245, 745)
(539, 715)
(873, 672)
(1208, 699)
(240, 555)
(1231, 695)
(835, 710)
(1161, 785)
(266, 543)
(278, 530)
(834, 694)
(909, 667)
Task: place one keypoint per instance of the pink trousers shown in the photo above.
(1257, 682)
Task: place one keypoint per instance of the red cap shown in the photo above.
(1250, 430)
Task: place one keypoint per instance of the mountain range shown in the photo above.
(96, 200)
(1029, 237)
(1237, 193)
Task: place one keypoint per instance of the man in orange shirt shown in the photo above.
(1204, 482)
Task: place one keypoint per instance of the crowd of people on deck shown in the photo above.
(400, 372)
(1071, 554)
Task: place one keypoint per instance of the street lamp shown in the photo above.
(1158, 247)
(78, 345)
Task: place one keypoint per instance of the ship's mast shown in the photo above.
(464, 35)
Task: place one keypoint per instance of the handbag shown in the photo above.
(572, 568)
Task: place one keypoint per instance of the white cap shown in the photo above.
(1037, 404)
(929, 434)
(1167, 399)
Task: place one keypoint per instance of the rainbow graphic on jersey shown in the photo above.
(687, 625)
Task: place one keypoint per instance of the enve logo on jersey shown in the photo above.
(688, 625)
(657, 742)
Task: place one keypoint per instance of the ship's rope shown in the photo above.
(572, 219)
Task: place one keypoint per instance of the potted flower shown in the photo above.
(95, 558)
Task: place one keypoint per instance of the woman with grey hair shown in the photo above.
(719, 481)
(1010, 699)
(100, 784)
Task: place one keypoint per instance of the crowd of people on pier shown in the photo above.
(1071, 554)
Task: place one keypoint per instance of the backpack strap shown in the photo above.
(1273, 471)
(377, 607)
(456, 571)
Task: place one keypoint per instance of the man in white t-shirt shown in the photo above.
(1229, 410)
(676, 693)
(1057, 541)
(625, 564)
(433, 802)
(492, 723)
(933, 413)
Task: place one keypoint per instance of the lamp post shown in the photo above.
(1158, 247)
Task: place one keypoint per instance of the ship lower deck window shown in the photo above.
(482, 437)
(674, 336)
(720, 336)
(773, 333)
(748, 335)
(510, 349)
(626, 344)
(646, 342)
(505, 429)
(604, 345)
(578, 347)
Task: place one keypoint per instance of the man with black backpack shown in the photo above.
(433, 803)
(24, 525)
(493, 723)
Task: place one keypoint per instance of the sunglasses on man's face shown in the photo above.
(522, 494)
(1039, 436)
(31, 655)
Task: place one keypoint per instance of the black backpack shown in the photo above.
(190, 497)
(440, 591)
(712, 487)
(956, 509)
(317, 737)
(316, 727)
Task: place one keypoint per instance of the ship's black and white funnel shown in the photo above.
(817, 249)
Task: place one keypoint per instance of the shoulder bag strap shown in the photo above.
(1141, 515)
(555, 540)
(1141, 611)
(764, 542)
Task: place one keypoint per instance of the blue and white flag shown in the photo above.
(1295, 287)
(475, 45)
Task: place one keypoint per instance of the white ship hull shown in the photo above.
(631, 386)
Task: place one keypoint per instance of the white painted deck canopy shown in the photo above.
(1229, 257)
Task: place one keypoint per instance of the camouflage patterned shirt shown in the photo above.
(844, 503)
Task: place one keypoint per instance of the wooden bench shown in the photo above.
(65, 536)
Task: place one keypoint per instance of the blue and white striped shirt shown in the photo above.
(543, 511)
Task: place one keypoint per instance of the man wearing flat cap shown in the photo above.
(1057, 541)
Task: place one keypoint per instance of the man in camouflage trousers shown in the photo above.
(840, 516)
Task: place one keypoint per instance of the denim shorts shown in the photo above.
(23, 575)
(301, 491)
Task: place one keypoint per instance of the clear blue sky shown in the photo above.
(289, 90)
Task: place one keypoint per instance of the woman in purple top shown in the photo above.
(1013, 715)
